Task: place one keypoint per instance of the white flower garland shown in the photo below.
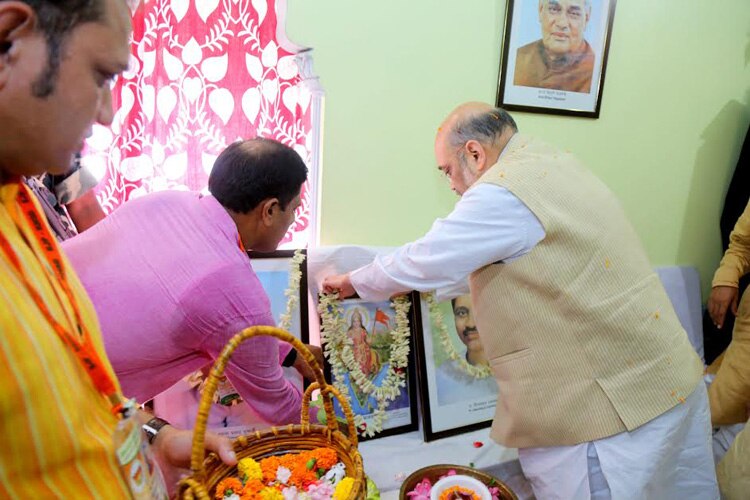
(337, 347)
(436, 317)
(292, 291)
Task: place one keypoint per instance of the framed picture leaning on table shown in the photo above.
(369, 350)
(457, 389)
(274, 272)
(554, 56)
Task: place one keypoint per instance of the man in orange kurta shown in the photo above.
(57, 387)
(729, 393)
(561, 59)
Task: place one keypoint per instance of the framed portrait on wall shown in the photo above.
(365, 350)
(457, 389)
(554, 56)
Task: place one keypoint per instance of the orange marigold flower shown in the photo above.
(227, 487)
(302, 476)
(252, 489)
(289, 461)
(303, 456)
(269, 466)
(325, 457)
(458, 492)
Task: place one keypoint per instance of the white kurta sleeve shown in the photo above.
(487, 225)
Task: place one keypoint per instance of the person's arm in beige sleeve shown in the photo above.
(733, 266)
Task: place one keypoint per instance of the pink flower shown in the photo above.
(322, 491)
(495, 492)
(421, 491)
(290, 493)
(451, 472)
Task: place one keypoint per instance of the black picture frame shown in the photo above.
(470, 405)
(408, 416)
(525, 81)
(272, 269)
(279, 261)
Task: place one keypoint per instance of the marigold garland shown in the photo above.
(337, 347)
(436, 317)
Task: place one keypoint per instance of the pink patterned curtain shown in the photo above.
(203, 73)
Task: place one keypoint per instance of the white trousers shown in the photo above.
(668, 458)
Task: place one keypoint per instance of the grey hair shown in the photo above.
(485, 127)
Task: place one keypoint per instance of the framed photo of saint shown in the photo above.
(554, 56)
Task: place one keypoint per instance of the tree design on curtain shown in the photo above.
(203, 73)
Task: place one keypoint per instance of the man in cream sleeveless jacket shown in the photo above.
(599, 387)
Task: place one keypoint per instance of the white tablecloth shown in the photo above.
(388, 461)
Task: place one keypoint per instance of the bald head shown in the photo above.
(478, 121)
(470, 140)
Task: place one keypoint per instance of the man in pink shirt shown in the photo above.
(171, 281)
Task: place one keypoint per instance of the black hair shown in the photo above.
(248, 172)
(56, 19)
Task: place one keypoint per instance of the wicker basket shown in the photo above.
(434, 472)
(208, 472)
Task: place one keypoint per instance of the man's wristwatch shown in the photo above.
(290, 358)
(152, 428)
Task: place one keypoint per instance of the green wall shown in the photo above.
(675, 109)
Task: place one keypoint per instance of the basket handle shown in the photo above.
(326, 392)
(217, 371)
